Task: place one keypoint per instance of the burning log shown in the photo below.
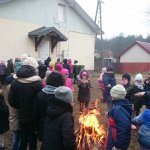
(91, 134)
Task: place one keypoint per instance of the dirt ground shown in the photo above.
(95, 94)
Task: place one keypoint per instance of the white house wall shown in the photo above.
(19, 17)
(81, 47)
(44, 13)
(135, 54)
(14, 40)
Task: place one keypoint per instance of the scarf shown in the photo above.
(139, 85)
(27, 80)
(49, 89)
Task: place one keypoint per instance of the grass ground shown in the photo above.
(95, 94)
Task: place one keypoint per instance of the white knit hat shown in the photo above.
(31, 61)
(23, 57)
(118, 92)
(64, 93)
(139, 77)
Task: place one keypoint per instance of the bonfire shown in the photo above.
(91, 134)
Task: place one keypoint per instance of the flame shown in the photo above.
(92, 133)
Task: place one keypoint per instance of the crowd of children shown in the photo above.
(124, 113)
(40, 91)
(40, 104)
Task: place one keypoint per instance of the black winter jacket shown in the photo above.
(22, 95)
(42, 70)
(40, 110)
(4, 114)
(58, 127)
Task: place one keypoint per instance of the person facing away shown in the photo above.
(143, 120)
(14, 127)
(109, 81)
(75, 72)
(3, 72)
(69, 83)
(22, 96)
(17, 64)
(147, 83)
(59, 123)
(138, 86)
(66, 66)
(4, 123)
(57, 65)
(10, 67)
(101, 81)
(119, 120)
(47, 61)
(84, 90)
(71, 68)
(53, 80)
(14, 123)
(42, 68)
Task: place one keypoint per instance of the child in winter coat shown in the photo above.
(75, 72)
(84, 90)
(69, 83)
(14, 123)
(101, 81)
(4, 123)
(147, 83)
(144, 121)
(14, 127)
(126, 78)
(71, 68)
(59, 123)
(3, 72)
(17, 64)
(136, 88)
(119, 122)
(109, 81)
(53, 80)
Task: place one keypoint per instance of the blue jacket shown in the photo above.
(108, 79)
(119, 125)
(144, 131)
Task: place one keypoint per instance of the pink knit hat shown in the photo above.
(59, 67)
(64, 71)
(84, 73)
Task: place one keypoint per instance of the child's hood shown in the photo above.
(57, 108)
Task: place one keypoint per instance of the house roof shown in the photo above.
(52, 31)
(78, 9)
(40, 33)
(145, 46)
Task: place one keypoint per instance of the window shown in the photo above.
(61, 13)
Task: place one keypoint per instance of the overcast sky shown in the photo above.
(127, 16)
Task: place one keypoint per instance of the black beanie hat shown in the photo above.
(55, 79)
(126, 76)
(25, 71)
